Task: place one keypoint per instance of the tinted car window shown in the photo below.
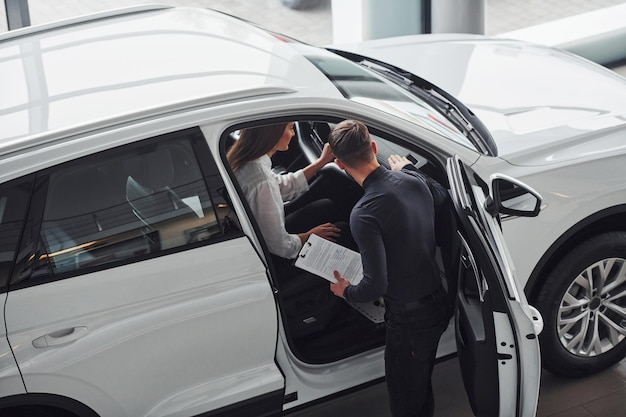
(14, 198)
(359, 84)
(128, 204)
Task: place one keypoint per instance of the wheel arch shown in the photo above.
(607, 220)
(66, 405)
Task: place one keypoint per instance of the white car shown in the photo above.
(135, 281)
(558, 124)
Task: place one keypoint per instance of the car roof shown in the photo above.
(110, 67)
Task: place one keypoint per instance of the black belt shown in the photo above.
(400, 308)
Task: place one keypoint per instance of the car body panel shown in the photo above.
(559, 187)
(159, 49)
(168, 312)
(532, 98)
(10, 379)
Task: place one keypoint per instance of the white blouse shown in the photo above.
(266, 192)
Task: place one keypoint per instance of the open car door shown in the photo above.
(496, 330)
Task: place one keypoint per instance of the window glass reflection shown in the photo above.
(128, 204)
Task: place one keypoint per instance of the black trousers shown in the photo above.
(304, 219)
(328, 185)
(317, 206)
(329, 199)
(411, 346)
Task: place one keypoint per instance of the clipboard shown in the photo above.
(321, 257)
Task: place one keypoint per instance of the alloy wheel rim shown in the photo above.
(591, 318)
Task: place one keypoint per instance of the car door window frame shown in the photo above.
(8, 207)
(204, 171)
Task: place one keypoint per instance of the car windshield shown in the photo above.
(363, 86)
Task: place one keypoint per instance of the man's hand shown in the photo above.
(339, 287)
(397, 162)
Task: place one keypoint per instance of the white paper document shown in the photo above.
(321, 257)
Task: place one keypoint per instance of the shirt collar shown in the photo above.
(374, 175)
(266, 161)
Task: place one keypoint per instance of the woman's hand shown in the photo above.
(326, 156)
(312, 169)
(397, 162)
(326, 231)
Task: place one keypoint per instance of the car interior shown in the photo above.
(321, 327)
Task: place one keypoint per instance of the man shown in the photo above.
(394, 228)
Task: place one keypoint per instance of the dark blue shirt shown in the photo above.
(394, 227)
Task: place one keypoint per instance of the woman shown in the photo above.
(266, 192)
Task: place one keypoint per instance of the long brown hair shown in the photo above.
(253, 143)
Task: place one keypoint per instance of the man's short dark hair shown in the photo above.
(350, 142)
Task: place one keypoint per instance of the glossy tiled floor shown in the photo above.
(600, 395)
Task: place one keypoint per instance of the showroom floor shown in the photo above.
(600, 395)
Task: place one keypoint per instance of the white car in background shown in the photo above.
(135, 281)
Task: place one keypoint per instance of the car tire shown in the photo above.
(300, 4)
(584, 292)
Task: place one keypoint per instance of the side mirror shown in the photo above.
(512, 197)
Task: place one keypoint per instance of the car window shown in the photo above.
(359, 84)
(131, 203)
(14, 198)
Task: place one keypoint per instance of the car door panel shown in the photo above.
(168, 330)
(135, 291)
(497, 345)
(476, 345)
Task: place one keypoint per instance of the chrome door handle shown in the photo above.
(60, 337)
